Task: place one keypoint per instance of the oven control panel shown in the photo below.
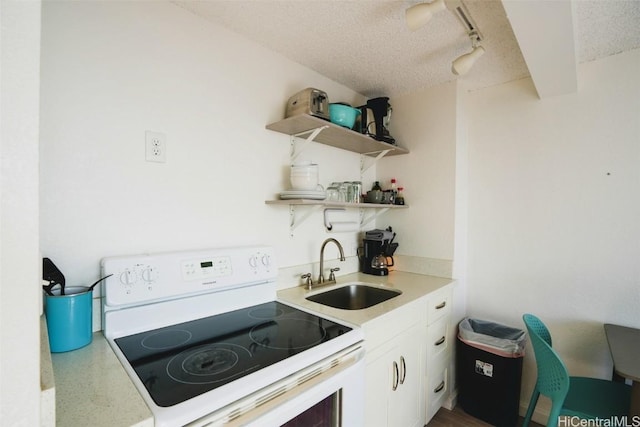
(198, 269)
(144, 278)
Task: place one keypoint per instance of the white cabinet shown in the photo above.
(394, 382)
(408, 354)
(438, 350)
(394, 360)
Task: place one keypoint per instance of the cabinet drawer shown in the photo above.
(438, 339)
(390, 325)
(439, 304)
(437, 388)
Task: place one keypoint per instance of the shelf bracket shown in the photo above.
(364, 221)
(295, 222)
(373, 160)
(301, 147)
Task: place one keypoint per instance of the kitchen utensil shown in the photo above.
(390, 249)
(309, 101)
(69, 318)
(48, 286)
(52, 274)
(343, 115)
(98, 281)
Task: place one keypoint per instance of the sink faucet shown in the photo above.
(321, 276)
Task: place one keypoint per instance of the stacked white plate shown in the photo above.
(303, 194)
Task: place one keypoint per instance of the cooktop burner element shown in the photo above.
(206, 364)
(301, 334)
(166, 339)
(179, 362)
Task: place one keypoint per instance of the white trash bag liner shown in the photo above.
(492, 337)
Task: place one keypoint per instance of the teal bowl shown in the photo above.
(343, 115)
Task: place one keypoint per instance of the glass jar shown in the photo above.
(355, 192)
(333, 192)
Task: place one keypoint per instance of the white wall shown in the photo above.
(111, 71)
(19, 256)
(554, 202)
(424, 123)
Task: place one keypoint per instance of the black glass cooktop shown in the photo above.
(179, 362)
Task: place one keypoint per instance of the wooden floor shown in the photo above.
(459, 418)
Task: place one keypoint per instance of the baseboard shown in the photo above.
(452, 400)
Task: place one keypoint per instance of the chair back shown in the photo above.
(553, 377)
(535, 324)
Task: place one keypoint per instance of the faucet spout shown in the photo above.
(324, 244)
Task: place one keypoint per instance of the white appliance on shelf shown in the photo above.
(205, 342)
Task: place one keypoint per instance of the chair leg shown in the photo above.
(532, 405)
(554, 414)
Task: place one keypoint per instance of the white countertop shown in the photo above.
(92, 387)
(413, 287)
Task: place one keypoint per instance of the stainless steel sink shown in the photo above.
(355, 296)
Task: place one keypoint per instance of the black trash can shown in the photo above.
(489, 369)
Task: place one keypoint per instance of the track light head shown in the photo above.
(463, 63)
(419, 14)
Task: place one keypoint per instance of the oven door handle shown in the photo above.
(251, 409)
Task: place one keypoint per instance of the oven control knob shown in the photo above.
(253, 261)
(128, 277)
(266, 260)
(148, 274)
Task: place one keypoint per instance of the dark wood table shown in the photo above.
(624, 344)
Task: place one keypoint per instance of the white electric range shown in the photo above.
(205, 342)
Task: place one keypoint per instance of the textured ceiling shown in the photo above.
(366, 45)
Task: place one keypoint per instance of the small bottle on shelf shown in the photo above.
(400, 196)
(376, 186)
(392, 192)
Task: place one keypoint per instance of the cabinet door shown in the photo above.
(406, 403)
(394, 382)
(379, 380)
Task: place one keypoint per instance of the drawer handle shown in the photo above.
(440, 341)
(403, 370)
(439, 388)
(395, 376)
(443, 304)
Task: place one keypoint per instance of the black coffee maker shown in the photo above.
(380, 109)
(376, 254)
